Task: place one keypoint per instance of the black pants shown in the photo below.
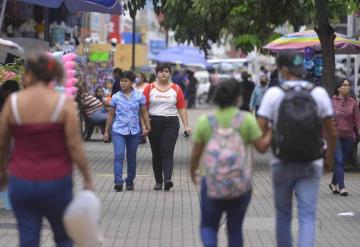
(192, 100)
(163, 137)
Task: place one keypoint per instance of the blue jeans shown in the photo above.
(33, 200)
(304, 179)
(211, 212)
(130, 143)
(342, 151)
(98, 117)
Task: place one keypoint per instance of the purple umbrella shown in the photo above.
(102, 6)
(181, 55)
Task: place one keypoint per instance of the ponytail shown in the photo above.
(44, 68)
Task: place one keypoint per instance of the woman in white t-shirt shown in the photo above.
(165, 100)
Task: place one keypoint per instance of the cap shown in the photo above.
(292, 60)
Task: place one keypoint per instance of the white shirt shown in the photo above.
(164, 103)
(271, 101)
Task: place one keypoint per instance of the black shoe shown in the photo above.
(334, 191)
(143, 140)
(158, 186)
(343, 192)
(118, 187)
(168, 185)
(129, 187)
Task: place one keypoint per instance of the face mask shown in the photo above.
(137, 80)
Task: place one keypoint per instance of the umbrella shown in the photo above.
(300, 40)
(9, 49)
(9, 45)
(181, 55)
(102, 6)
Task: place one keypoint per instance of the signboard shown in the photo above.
(99, 57)
(156, 46)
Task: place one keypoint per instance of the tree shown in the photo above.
(251, 23)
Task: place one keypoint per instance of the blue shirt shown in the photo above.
(127, 112)
(257, 96)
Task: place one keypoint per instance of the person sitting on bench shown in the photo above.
(94, 112)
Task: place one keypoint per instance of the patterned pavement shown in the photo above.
(147, 218)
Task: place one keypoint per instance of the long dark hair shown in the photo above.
(338, 83)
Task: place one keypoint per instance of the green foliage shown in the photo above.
(250, 22)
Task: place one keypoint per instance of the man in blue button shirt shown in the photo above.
(125, 107)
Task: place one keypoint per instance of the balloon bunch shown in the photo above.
(68, 61)
(69, 66)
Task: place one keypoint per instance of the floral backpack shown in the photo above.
(227, 162)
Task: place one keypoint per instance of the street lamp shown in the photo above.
(87, 42)
(113, 42)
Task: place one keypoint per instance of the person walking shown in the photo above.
(226, 139)
(47, 143)
(248, 88)
(140, 84)
(258, 94)
(165, 100)
(297, 110)
(117, 73)
(347, 117)
(192, 87)
(214, 82)
(126, 106)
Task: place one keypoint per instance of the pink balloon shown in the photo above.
(71, 91)
(69, 65)
(70, 73)
(69, 57)
(70, 82)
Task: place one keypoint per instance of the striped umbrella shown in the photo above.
(300, 40)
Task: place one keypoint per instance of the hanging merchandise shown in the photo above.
(318, 60)
(308, 58)
(68, 60)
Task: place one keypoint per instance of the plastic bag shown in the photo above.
(81, 219)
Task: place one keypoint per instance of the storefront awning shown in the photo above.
(102, 6)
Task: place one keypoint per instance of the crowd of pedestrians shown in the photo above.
(306, 129)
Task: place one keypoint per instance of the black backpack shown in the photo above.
(297, 136)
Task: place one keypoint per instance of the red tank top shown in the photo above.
(40, 151)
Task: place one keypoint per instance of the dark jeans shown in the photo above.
(33, 200)
(130, 144)
(97, 118)
(163, 137)
(211, 212)
(192, 100)
(342, 151)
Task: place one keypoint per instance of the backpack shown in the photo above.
(227, 164)
(297, 136)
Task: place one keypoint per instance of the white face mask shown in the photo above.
(137, 80)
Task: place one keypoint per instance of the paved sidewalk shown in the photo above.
(144, 218)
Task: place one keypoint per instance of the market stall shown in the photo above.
(308, 43)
